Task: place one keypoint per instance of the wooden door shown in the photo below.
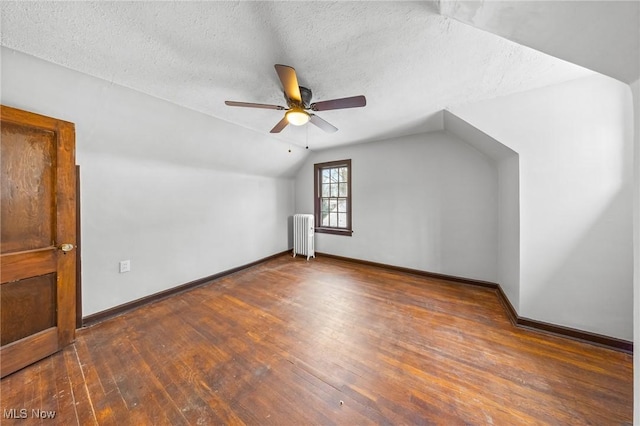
(38, 227)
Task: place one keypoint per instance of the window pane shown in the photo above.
(325, 219)
(334, 190)
(334, 175)
(333, 204)
(342, 220)
(325, 175)
(325, 205)
(325, 190)
(343, 174)
(342, 190)
(333, 219)
(342, 205)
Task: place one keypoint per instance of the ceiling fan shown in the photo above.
(299, 102)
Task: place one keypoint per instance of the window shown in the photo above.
(332, 197)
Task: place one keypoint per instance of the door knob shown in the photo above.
(66, 247)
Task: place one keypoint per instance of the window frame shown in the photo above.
(317, 195)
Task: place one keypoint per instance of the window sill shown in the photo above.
(334, 231)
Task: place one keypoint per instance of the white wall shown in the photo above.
(575, 147)
(175, 223)
(635, 89)
(163, 186)
(508, 209)
(427, 202)
(509, 228)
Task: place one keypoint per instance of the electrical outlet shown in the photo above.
(125, 266)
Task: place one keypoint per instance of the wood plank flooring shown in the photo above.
(291, 342)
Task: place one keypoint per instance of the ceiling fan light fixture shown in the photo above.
(297, 116)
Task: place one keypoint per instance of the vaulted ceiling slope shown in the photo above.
(408, 59)
(603, 36)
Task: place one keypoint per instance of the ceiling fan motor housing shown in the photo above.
(305, 94)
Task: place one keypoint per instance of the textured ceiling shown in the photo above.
(407, 59)
(603, 36)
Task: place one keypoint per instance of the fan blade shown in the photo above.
(324, 125)
(252, 105)
(289, 82)
(281, 125)
(352, 102)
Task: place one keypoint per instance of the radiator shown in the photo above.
(303, 235)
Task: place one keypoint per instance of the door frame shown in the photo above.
(78, 254)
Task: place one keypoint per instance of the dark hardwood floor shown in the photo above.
(323, 342)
